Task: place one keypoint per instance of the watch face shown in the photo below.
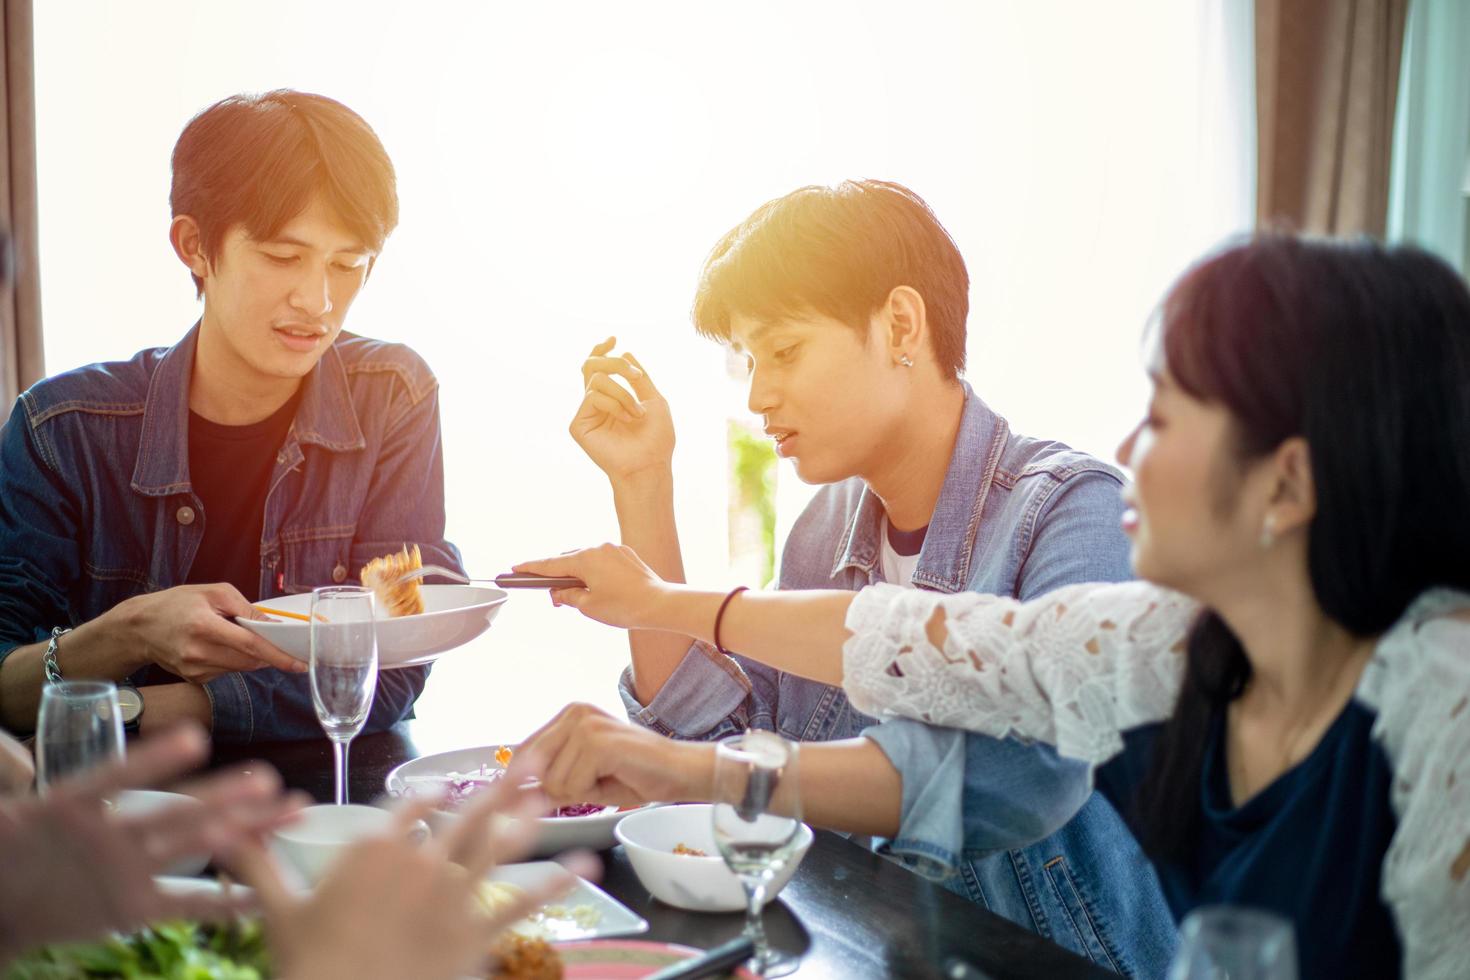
(130, 702)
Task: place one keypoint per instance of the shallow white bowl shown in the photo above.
(138, 802)
(594, 831)
(453, 616)
(700, 884)
(319, 834)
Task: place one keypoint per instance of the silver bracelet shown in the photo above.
(48, 662)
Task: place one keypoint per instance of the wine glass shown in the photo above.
(79, 726)
(344, 667)
(756, 814)
(1224, 942)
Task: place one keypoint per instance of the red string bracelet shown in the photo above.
(721, 615)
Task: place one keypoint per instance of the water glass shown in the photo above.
(1223, 942)
(344, 667)
(79, 726)
(756, 814)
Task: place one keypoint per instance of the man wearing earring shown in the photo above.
(146, 504)
(849, 306)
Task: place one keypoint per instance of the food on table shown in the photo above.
(497, 895)
(583, 916)
(502, 758)
(382, 576)
(549, 921)
(517, 957)
(683, 848)
(578, 810)
(173, 949)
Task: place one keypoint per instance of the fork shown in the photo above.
(508, 580)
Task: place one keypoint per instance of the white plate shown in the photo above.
(453, 616)
(594, 831)
(585, 912)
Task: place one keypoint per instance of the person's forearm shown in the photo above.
(92, 651)
(799, 632)
(645, 509)
(848, 785)
(165, 705)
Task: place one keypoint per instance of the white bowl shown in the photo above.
(700, 884)
(318, 834)
(594, 831)
(138, 802)
(453, 616)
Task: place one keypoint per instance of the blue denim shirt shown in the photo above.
(94, 482)
(1015, 517)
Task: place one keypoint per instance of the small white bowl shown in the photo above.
(138, 802)
(318, 834)
(699, 884)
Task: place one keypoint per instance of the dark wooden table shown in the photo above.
(848, 912)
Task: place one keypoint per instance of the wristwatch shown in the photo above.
(48, 660)
(130, 705)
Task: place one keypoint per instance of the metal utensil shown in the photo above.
(710, 963)
(506, 580)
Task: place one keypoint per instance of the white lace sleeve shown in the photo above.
(1419, 683)
(1074, 668)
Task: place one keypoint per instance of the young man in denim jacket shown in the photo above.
(145, 503)
(849, 305)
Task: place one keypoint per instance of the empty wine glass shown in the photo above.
(79, 726)
(344, 667)
(756, 814)
(1223, 942)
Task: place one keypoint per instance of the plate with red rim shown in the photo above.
(430, 772)
(627, 959)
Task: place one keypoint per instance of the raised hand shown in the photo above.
(626, 433)
(73, 871)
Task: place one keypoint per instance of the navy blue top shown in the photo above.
(1310, 846)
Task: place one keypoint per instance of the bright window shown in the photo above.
(564, 168)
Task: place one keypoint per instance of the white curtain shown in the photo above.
(1429, 189)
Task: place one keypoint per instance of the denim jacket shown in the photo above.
(96, 506)
(1015, 517)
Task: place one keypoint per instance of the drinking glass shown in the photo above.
(1223, 942)
(344, 667)
(755, 838)
(79, 726)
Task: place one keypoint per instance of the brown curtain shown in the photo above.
(1327, 75)
(21, 362)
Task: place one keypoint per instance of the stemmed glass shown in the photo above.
(344, 667)
(1222, 942)
(756, 814)
(79, 726)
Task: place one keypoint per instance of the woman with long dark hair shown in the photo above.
(1282, 705)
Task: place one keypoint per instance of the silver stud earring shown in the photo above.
(1268, 532)
(905, 360)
